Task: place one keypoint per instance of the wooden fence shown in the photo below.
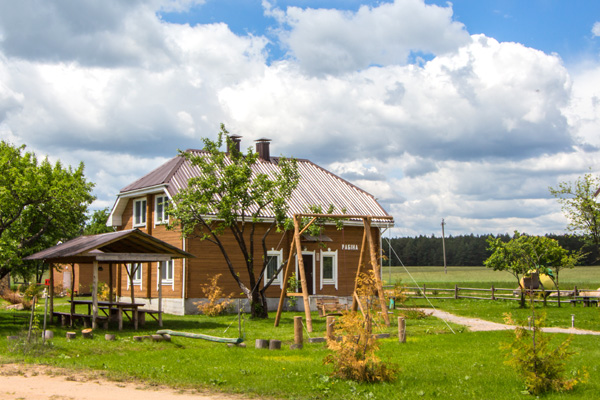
(493, 293)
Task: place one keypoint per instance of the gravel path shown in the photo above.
(476, 324)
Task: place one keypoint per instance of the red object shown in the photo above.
(47, 283)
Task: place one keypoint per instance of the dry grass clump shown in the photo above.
(216, 302)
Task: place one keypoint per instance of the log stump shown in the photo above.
(48, 335)
(138, 338)
(71, 335)
(87, 333)
(109, 336)
(261, 344)
(274, 344)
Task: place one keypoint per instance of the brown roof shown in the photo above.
(128, 243)
(317, 186)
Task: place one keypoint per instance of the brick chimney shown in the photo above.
(234, 144)
(262, 148)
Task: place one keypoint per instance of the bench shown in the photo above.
(86, 319)
(586, 300)
(142, 315)
(327, 306)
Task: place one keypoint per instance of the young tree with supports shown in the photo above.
(40, 205)
(228, 195)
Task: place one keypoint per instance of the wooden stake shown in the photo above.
(95, 295)
(298, 334)
(305, 293)
(330, 326)
(401, 330)
(286, 277)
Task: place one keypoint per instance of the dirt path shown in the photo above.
(476, 324)
(40, 382)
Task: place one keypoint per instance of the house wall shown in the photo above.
(83, 275)
(210, 261)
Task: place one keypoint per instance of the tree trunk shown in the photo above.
(258, 305)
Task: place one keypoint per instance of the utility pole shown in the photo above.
(444, 247)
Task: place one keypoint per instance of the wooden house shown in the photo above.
(330, 262)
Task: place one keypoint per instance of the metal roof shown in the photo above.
(127, 243)
(317, 186)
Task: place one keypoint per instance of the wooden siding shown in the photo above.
(210, 260)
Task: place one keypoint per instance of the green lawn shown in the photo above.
(434, 363)
(582, 277)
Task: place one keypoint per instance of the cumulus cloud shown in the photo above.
(596, 29)
(326, 41)
(474, 135)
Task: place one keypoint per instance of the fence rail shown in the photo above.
(546, 296)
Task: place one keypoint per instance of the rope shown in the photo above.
(417, 285)
(306, 330)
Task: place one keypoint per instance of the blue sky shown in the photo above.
(466, 111)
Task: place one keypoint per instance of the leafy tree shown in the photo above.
(228, 195)
(578, 202)
(96, 223)
(40, 205)
(524, 254)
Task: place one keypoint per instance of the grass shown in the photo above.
(582, 277)
(434, 363)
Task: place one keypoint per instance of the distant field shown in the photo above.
(582, 277)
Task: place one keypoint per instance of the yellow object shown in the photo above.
(545, 282)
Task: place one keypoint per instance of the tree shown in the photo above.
(578, 203)
(229, 195)
(40, 205)
(524, 254)
(96, 223)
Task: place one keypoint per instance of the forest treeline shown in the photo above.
(466, 250)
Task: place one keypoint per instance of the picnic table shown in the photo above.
(113, 310)
(587, 300)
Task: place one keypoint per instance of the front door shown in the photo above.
(307, 259)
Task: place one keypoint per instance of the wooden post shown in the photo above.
(302, 274)
(286, 277)
(361, 261)
(330, 325)
(401, 330)
(377, 271)
(119, 278)
(160, 274)
(298, 334)
(51, 289)
(110, 282)
(493, 295)
(95, 295)
(424, 289)
(456, 291)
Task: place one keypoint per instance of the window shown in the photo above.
(273, 263)
(139, 212)
(168, 269)
(160, 215)
(329, 268)
(135, 270)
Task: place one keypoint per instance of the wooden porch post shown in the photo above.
(51, 289)
(95, 296)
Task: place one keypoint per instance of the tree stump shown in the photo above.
(87, 333)
(330, 327)
(274, 344)
(109, 336)
(298, 334)
(261, 344)
(401, 330)
(71, 335)
(48, 335)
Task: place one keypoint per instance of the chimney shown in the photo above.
(262, 148)
(234, 144)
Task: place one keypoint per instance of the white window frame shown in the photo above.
(135, 281)
(161, 217)
(279, 256)
(144, 216)
(334, 279)
(166, 281)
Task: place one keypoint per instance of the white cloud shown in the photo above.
(475, 135)
(596, 29)
(326, 41)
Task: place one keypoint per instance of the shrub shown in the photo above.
(542, 367)
(216, 302)
(353, 357)
(12, 297)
